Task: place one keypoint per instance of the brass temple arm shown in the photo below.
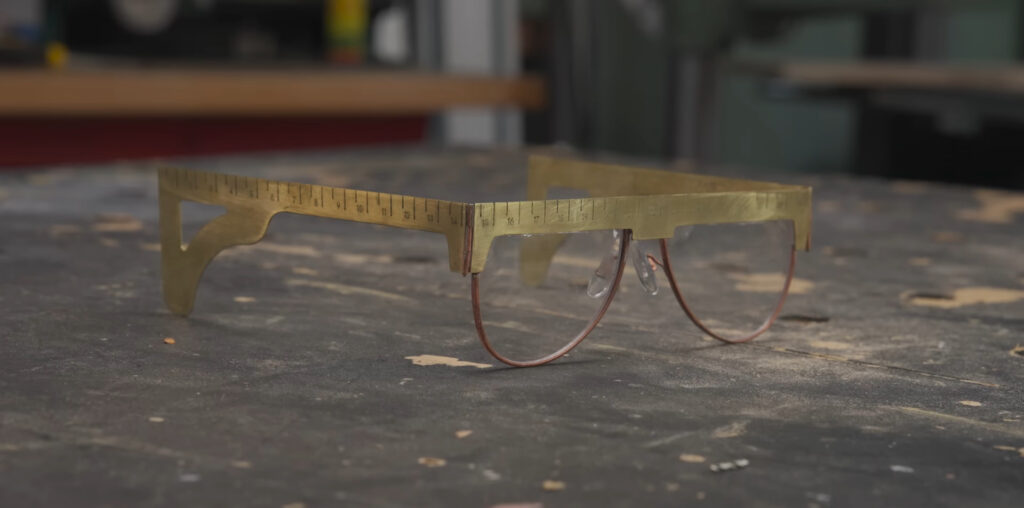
(252, 202)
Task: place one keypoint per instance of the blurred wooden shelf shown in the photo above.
(254, 93)
(1005, 79)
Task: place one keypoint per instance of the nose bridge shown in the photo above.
(603, 276)
(638, 252)
(642, 267)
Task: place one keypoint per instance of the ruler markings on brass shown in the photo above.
(616, 211)
(311, 199)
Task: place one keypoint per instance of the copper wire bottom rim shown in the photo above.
(667, 263)
(478, 317)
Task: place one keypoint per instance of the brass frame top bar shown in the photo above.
(650, 203)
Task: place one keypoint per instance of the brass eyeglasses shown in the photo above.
(727, 246)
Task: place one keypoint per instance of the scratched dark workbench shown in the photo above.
(892, 378)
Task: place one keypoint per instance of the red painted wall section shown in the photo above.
(37, 141)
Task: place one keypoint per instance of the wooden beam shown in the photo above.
(254, 93)
(1005, 79)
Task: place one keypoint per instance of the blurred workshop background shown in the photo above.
(919, 89)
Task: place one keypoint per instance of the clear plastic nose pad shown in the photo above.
(644, 269)
(603, 276)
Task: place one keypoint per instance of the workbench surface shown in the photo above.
(892, 378)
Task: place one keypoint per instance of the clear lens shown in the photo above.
(731, 278)
(539, 293)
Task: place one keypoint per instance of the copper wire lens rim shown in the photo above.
(667, 264)
(478, 317)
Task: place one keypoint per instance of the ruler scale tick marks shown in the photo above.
(648, 216)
